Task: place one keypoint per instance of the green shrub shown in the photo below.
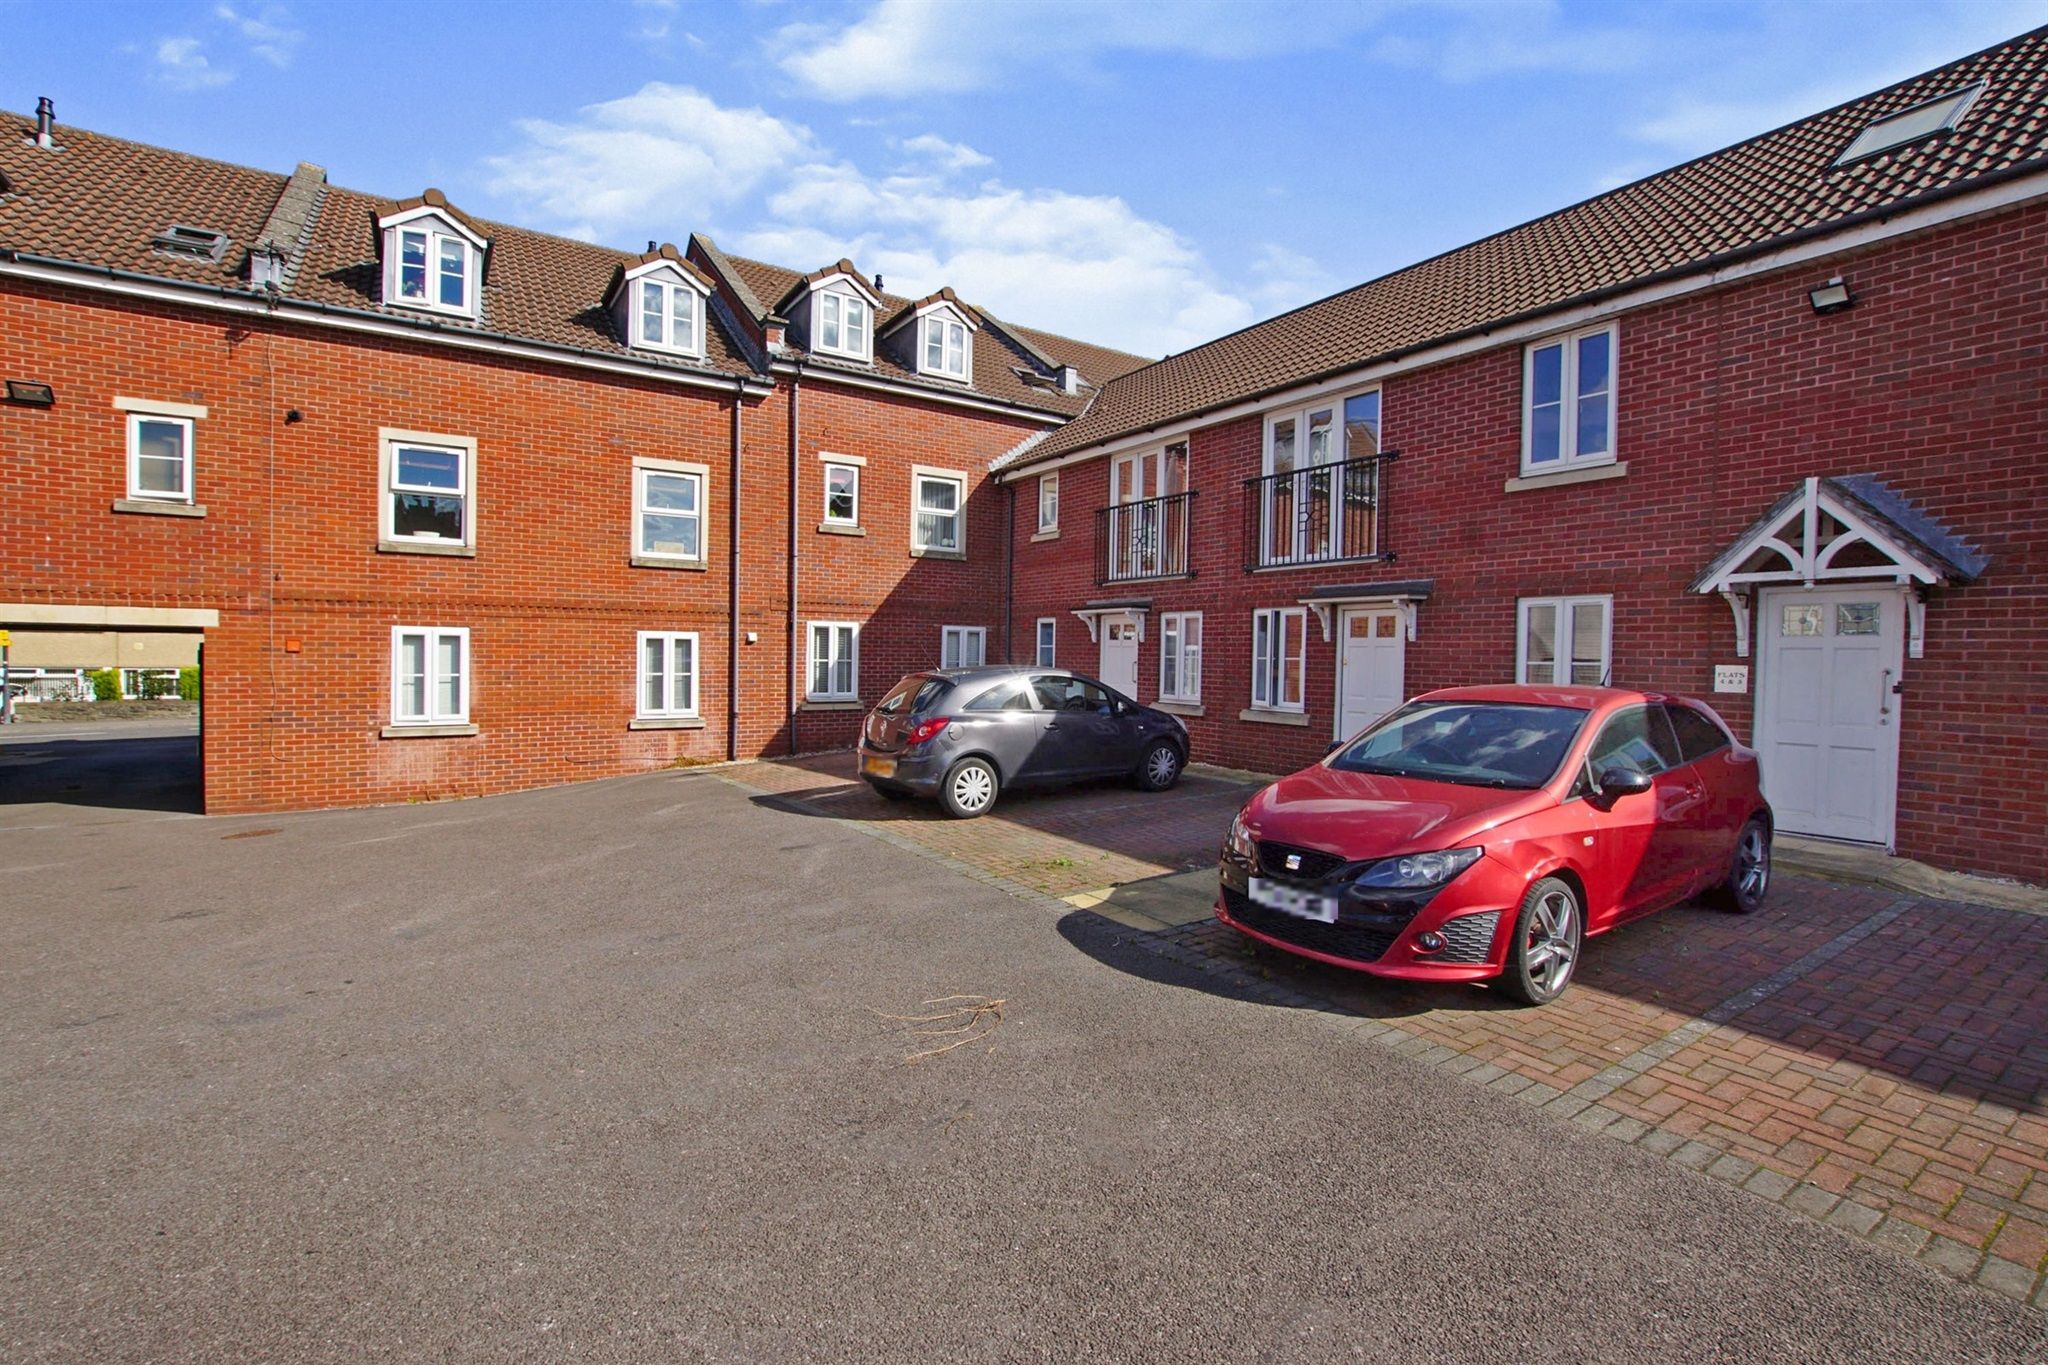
(106, 684)
(188, 684)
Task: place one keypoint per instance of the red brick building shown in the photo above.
(458, 507)
(1768, 427)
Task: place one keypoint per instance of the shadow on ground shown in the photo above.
(121, 772)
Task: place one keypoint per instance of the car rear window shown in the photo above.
(1474, 744)
(915, 695)
(1697, 735)
(1004, 696)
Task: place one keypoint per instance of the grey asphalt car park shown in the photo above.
(609, 1072)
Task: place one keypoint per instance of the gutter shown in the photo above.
(51, 269)
(1704, 266)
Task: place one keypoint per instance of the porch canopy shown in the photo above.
(1849, 528)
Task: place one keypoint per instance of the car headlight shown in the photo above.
(1416, 871)
(1239, 841)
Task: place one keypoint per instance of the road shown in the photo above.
(609, 1072)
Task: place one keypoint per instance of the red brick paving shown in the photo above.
(1907, 1073)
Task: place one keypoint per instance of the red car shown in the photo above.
(1483, 833)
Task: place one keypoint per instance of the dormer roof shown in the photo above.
(434, 204)
(945, 298)
(647, 262)
(839, 269)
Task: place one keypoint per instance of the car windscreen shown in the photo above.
(915, 695)
(1475, 744)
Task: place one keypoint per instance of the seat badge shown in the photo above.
(1294, 862)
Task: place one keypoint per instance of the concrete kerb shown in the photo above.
(1580, 1106)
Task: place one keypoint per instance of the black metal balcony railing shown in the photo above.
(1143, 539)
(1318, 515)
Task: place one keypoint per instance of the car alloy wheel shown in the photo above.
(1160, 767)
(1548, 936)
(969, 790)
(1749, 873)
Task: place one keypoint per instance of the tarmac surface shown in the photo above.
(618, 1072)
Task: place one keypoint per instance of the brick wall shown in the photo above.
(298, 672)
(1936, 381)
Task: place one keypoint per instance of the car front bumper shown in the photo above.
(1472, 915)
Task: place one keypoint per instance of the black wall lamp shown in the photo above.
(1832, 297)
(31, 394)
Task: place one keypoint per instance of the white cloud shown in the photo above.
(947, 156)
(957, 46)
(655, 160)
(669, 159)
(269, 34)
(180, 64)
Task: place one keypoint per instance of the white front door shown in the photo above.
(1371, 666)
(1120, 656)
(1827, 715)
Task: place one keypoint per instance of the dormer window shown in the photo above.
(668, 317)
(843, 324)
(658, 302)
(943, 346)
(431, 261)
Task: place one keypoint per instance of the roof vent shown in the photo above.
(1925, 119)
(46, 123)
(200, 244)
(1069, 379)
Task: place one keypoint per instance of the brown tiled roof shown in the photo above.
(1000, 362)
(100, 201)
(1745, 198)
(945, 295)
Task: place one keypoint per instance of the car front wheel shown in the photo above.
(969, 789)
(1549, 934)
(1160, 767)
(1749, 870)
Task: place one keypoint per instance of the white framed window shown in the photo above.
(1564, 641)
(159, 457)
(667, 684)
(1279, 641)
(429, 675)
(842, 324)
(429, 490)
(944, 347)
(668, 511)
(842, 492)
(938, 518)
(1049, 501)
(429, 264)
(834, 662)
(963, 646)
(1309, 511)
(1180, 656)
(668, 315)
(1048, 641)
(1568, 400)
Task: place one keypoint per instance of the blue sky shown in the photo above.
(1147, 175)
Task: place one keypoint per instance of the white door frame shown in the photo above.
(1888, 822)
(1343, 634)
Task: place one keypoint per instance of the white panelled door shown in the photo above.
(1371, 667)
(1120, 656)
(1827, 717)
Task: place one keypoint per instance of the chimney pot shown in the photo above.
(650, 246)
(46, 122)
(878, 281)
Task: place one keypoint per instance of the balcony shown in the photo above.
(1143, 539)
(1324, 514)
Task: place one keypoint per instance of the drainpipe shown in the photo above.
(795, 434)
(732, 592)
(1010, 569)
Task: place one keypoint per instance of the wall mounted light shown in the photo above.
(1831, 297)
(31, 394)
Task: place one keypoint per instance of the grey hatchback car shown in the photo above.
(964, 735)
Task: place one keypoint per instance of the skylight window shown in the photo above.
(1937, 115)
(202, 244)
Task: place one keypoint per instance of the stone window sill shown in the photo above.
(1178, 708)
(660, 562)
(665, 723)
(1264, 717)
(1053, 534)
(426, 731)
(1564, 478)
(424, 547)
(833, 528)
(916, 553)
(149, 507)
(833, 706)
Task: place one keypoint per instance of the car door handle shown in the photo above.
(1052, 725)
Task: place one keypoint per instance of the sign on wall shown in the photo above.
(1731, 677)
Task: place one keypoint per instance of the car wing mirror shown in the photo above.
(1617, 780)
(1335, 745)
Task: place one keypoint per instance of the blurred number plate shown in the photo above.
(879, 767)
(1288, 901)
